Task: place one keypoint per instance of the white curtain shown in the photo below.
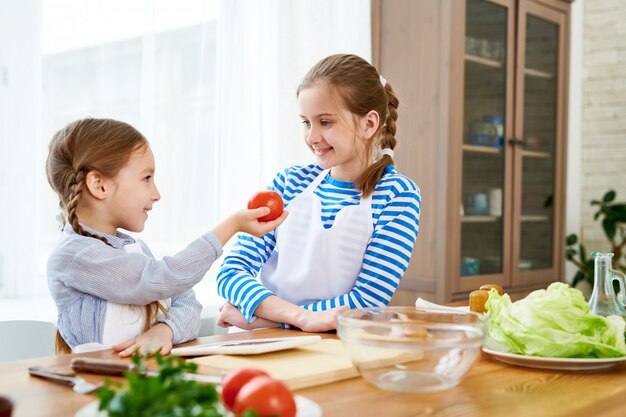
(211, 85)
(264, 49)
(21, 157)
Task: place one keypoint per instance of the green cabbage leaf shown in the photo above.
(553, 323)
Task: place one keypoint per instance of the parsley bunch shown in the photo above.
(163, 395)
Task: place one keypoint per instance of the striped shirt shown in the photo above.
(395, 215)
(84, 273)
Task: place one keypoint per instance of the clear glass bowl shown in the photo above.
(409, 349)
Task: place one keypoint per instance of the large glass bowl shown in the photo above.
(409, 349)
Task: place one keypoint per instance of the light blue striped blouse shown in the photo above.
(84, 273)
(395, 215)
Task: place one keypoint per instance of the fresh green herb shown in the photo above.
(163, 395)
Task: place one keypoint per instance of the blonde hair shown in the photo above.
(101, 145)
(360, 90)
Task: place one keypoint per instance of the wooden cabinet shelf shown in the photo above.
(482, 149)
(536, 154)
(493, 150)
(483, 61)
(488, 62)
(480, 219)
(538, 74)
(491, 219)
(534, 218)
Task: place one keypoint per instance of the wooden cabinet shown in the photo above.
(481, 129)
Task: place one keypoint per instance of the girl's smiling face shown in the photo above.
(133, 192)
(333, 134)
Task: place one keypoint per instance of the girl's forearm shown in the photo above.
(276, 309)
(226, 229)
(261, 323)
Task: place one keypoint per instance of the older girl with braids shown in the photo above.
(353, 218)
(108, 288)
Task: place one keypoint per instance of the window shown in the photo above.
(210, 84)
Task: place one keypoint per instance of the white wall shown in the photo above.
(603, 110)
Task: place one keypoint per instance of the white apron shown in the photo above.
(121, 321)
(311, 263)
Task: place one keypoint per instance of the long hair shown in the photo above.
(101, 145)
(360, 90)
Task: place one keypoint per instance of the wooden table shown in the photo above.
(490, 388)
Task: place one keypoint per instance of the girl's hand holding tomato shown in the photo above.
(249, 389)
(247, 221)
(270, 199)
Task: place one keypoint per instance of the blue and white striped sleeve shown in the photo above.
(236, 280)
(387, 255)
(183, 317)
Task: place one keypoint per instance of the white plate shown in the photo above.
(246, 347)
(562, 364)
(306, 408)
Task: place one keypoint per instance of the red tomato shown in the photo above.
(234, 380)
(267, 397)
(267, 199)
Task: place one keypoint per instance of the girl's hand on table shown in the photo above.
(319, 321)
(231, 316)
(157, 339)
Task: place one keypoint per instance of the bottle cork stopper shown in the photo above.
(477, 300)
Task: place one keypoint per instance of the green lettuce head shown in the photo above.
(553, 323)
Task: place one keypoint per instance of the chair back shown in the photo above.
(209, 327)
(23, 339)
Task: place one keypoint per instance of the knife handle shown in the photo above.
(117, 368)
(101, 366)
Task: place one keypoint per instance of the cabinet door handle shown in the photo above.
(515, 141)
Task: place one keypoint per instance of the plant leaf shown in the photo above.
(571, 239)
(609, 196)
(582, 253)
(165, 394)
(609, 228)
(578, 278)
(619, 216)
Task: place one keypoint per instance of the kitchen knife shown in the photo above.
(117, 368)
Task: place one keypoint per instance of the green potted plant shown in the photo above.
(613, 219)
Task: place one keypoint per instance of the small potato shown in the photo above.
(488, 287)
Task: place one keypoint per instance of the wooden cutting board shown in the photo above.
(320, 363)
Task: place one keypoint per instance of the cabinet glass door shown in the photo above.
(537, 150)
(484, 128)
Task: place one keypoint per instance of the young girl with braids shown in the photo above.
(353, 218)
(108, 288)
